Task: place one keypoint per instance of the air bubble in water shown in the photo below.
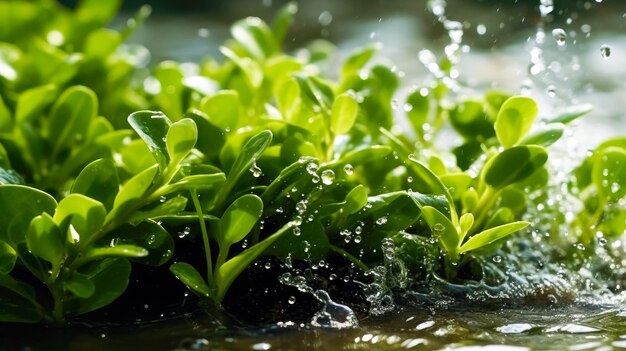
(605, 51)
(328, 177)
(559, 35)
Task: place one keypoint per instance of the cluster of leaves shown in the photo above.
(261, 152)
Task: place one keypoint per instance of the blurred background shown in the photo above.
(573, 53)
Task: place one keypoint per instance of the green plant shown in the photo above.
(263, 153)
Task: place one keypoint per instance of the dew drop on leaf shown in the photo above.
(348, 169)
(328, 177)
(382, 220)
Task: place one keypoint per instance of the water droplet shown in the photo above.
(184, 233)
(301, 206)
(497, 259)
(348, 169)
(261, 346)
(481, 29)
(256, 171)
(559, 35)
(328, 177)
(268, 265)
(162, 199)
(605, 51)
(438, 228)
(455, 31)
(407, 107)
(546, 7)
(279, 210)
(357, 239)
(325, 18)
(291, 300)
(382, 220)
(204, 33)
(297, 231)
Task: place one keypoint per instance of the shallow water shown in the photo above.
(413, 328)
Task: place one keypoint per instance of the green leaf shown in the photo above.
(33, 101)
(514, 165)
(609, 173)
(17, 302)
(109, 278)
(148, 235)
(344, 112)
(465, 223)
(434, 183)
(71, 117)
(102, 42)
(187, 274)
(311, 243)
(515, 119)
(282, 21)
(366, 154)
(469, 119)
(212, 137)
(18, 206)
(97, 13)
(6, 119)
(9, 176)
(198, 181)
(358, 58)
(420, 109)
(572, 113)
(289, 99)
(222, 108)
(152, 128)
(456, 183)
(133, 191)
(87, 215)
(99, 181)
(490, 235)
(355, 200)
(442, 229)
(131, 251)
(45, 240)
(180, 139)
(546, 136)
(8, 256)
(226, 273)
(255, 36)
(169, 207)
(250, 152)
(80, 285)
(239, 219)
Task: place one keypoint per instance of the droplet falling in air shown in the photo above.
(546, 7)
(605, 51)
(291, 300)
(559, 35)
(325, 18)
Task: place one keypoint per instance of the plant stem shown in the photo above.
(349, 257)
(205, 236)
